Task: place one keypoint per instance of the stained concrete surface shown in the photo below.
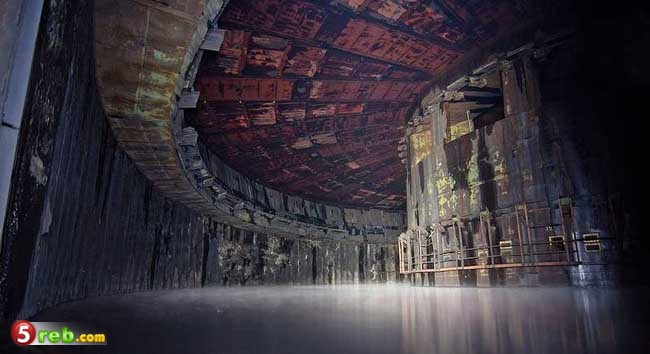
(364, 319)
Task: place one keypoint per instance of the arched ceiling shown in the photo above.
(312, 97)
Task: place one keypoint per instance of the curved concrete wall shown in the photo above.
(85, 221)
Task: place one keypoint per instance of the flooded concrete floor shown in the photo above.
(352, 319)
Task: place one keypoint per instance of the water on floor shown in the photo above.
(365, 319)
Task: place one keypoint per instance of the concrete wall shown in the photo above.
(239, 257)
(18, 28)
(84, 221)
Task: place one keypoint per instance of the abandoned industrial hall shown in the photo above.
(323, 176)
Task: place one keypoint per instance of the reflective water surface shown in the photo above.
(366, 319)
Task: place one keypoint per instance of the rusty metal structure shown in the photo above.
(497, 188)
(148, 56)
(445, 246)
(299, 117)
(311, 97)
(302, 104)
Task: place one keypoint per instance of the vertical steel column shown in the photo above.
(409, 255)
(528, 235)
(521, 244)
(400, 249)
(456, 225)
(564, 228)
(489, 236)
(438, 244)
(418, 241)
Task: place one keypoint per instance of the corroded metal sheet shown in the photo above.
(304, 61)
(312, 96)
(357, 35)
(421, 145)
(499, 183)
(142, 47)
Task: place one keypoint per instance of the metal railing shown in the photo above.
(494, 256)
(424, 251)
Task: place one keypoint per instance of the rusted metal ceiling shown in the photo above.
(311, 97)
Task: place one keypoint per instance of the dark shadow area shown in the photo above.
(611, 93)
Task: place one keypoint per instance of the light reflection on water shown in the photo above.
(368, 319)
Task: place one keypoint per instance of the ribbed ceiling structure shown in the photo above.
(311, 97)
